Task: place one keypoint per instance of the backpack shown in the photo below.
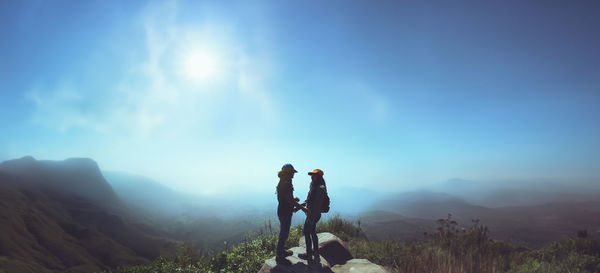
(326, 202)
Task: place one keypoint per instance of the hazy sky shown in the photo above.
(216, 96)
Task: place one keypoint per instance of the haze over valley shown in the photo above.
(53, 208)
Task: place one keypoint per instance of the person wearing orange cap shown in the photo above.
(287, 206)
(314, 202)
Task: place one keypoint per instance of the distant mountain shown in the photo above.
(380, 225)
(537, 225)
(206, 221)
(152, 198)
(401, 216)
(58, 216)
(352, 201)
(407, 216)
(428, 205)
(75, 176)
(520, 193)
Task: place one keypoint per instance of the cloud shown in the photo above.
(63, 108)
(154, 119)
(155, 94)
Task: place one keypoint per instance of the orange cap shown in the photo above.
(316, 171)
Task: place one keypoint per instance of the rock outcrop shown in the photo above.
(334, 257)
(332, 248)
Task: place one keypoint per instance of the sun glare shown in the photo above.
(201, 65)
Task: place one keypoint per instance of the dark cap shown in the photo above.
(288, 168)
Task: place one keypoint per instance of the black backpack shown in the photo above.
(326, 202)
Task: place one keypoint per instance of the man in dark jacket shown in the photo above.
(314, 202)
(287, 206)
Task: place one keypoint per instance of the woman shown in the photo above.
(314, 202)
(287, 206)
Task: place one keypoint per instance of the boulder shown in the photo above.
(334, 258)
(297, 265)
(358, 265)
(332, 248)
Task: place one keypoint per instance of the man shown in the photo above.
(287, 206)
(314, 202)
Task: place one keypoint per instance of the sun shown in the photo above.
(201, 65)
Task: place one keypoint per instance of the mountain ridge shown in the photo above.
(77, 176)
(58, 216)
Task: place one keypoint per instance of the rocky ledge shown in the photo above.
(334, 257)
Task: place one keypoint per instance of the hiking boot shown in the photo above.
(304, 256)
(288, 253)
(282, 261)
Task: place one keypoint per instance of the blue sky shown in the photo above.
(210, 96)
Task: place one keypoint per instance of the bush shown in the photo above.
(342, 228)
(448, 250)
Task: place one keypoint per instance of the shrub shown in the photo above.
(448, 250)
(342, 228)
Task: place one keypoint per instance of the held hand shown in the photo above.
(296, 199)
(299, 207)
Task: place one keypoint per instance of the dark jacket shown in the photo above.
(314, 201)
(285, 197)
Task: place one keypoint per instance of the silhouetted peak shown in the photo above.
(80, 176)
(23, 161)
(81, 162)
(82, 165)
(27, 158)
(77, 165)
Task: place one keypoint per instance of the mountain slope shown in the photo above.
(63, 216)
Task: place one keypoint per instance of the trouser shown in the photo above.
(284, 231)
(310, 235)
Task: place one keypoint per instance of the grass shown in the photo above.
(450, 249)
